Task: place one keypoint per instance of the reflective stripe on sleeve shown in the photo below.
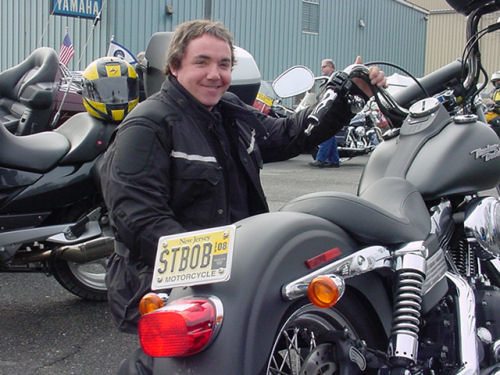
(183, 155)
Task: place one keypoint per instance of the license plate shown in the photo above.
(194, 258)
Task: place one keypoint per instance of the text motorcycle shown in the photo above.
(402, 278)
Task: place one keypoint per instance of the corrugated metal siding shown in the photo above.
(490, 45)
(445, 41)
(27, 24)
(446, 37)
(269, 29)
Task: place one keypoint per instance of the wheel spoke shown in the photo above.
(297, 350)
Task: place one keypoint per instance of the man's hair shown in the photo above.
(329, 62)
(187, 31)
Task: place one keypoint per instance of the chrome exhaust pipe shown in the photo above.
(87, 251)
(83, 252)
(466, 325)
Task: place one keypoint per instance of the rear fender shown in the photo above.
(270, 251)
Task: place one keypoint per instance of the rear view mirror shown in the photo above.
(296, 80)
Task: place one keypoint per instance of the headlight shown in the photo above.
(482, 221)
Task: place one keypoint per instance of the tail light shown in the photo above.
(181, 328)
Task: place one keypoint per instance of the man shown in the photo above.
(328, 154)
(189, 158)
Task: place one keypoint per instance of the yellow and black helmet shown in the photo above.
(110, 88)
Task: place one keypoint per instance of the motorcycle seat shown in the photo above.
(35, 153)
(23, 104)
(390, 211)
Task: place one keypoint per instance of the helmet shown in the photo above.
(110, 88)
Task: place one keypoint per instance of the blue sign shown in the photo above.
(76, 8)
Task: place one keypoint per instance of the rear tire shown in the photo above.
(296, 349)
(85, 280)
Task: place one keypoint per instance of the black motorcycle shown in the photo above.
(52, 216)
(402, 278)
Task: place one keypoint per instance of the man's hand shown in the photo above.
(377, 78)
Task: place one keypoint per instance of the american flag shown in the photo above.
(67, 51)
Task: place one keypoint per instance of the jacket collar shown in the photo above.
(230, 106)
(177, 93)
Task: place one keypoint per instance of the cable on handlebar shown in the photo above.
(403, 70)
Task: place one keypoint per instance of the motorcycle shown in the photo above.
(362, 134)
(52, 216)
(402, 278)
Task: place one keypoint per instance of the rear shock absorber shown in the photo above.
(409, 265)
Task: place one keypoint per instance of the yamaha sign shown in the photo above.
(76, 8)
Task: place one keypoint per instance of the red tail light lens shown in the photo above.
(181, 328)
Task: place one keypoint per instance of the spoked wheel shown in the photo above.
(297, 349)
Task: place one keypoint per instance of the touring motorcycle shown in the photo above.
(401, 278)
(52, 215)
(361, 136)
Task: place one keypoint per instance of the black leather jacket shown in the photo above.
(161, 174)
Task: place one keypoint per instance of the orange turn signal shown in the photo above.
(325, 291)
(150, 302)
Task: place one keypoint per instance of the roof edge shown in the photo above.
(413, 6)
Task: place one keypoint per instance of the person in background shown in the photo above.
(328, 154)
(189, 158)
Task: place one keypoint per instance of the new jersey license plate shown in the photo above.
(193, 258)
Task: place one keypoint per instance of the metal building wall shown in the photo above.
(269, 29)
(446, 37)
(27, 24)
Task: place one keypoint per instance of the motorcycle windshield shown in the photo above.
(111, 90)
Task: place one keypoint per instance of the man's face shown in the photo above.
(326, 69)
(205, 69)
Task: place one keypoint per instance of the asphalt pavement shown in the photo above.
(46, 330)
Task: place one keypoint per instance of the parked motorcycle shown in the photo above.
(52, 215)
(403, 278)
(361, 136)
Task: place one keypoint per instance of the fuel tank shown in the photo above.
(439, 154)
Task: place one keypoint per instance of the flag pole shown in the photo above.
(94, 25)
